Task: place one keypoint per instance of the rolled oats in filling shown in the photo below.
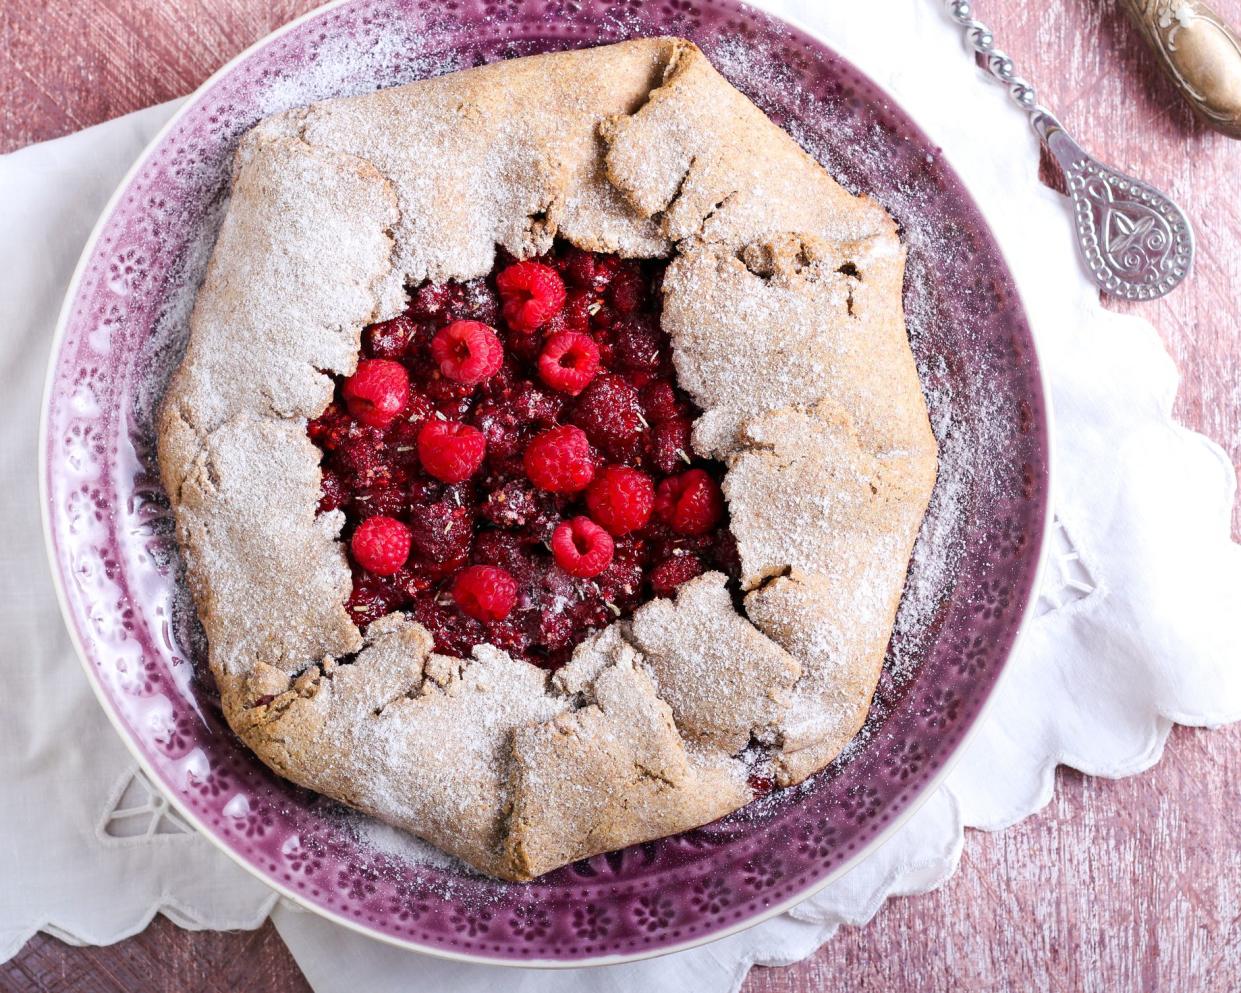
(666, 441)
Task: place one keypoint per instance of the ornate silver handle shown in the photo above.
(1135, 241)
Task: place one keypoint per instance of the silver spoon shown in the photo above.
(1136, 243)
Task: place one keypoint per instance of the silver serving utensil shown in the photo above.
(1200, 53)
(1135, 241)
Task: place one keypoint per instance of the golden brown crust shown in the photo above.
(783, 302)
(613, 772)
(725, 680)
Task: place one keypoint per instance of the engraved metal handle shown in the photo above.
(1200, 53)
(1135, 241)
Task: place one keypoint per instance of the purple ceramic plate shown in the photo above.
(113, 557)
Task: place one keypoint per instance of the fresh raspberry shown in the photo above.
(380, 545)
(450, 451)
(377, 392)
(330, 428)
(621, 499)
(467, 352)
(669, 447)
(389, 339)
(609, 412)
(569, 362)
(560, 460)
(485, 592)
(441, 530)
(531, 293)
(690, 503)
(672, 572)
(582, 548)
(528, 459)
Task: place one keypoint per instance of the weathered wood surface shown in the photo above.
(1118, 886)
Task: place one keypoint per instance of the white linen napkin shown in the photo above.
(1136, 625)
(87, 851)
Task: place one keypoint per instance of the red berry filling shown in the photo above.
(673, 571)
(610, 413)
(513, 459)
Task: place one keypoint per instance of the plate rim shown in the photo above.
(914, 804)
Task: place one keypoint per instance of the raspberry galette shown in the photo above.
(548, 453)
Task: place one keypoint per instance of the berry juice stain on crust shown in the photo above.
(513, 461)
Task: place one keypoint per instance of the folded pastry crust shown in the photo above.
(783, 303)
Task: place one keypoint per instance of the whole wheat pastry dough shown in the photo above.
(783, 302)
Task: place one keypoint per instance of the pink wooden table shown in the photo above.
(1117, 886)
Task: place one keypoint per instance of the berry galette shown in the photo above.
(548, 453)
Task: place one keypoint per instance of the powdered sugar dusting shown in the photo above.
(340, 69)
(971, 423)
(939, 547)
(383, 839)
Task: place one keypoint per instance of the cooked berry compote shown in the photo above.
(513, 458)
